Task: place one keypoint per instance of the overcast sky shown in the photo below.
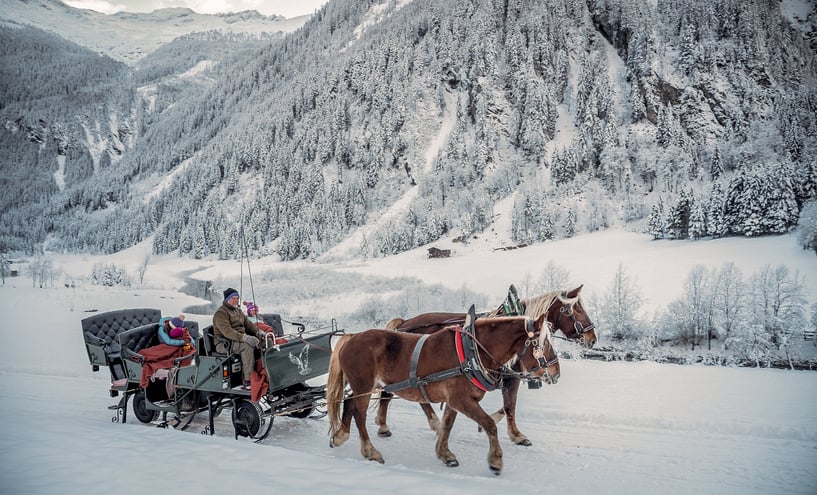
(286, 8)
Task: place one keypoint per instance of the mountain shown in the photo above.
(382, 126)
(129, 37)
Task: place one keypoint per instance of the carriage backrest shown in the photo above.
(101, 335)
(273, 320)
(139, 338)
(144, 336)
(209, 341)
(193, 328)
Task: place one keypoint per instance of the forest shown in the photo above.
(683, 119)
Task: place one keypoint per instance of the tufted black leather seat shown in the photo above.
(101, 335)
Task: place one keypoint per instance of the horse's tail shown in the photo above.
(394, 324)
(335, 385)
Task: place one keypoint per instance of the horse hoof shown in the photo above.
(452, 463)
(379, 461)
(496, 471)
(524, 442)
(384, 434)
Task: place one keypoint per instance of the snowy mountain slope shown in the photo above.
(571, 117)
(130, 36)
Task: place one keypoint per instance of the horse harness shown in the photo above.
(470, 363)
(577, 325)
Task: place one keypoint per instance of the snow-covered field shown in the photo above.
(613, 428)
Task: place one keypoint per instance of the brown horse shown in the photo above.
(564, 312)
(456, 366)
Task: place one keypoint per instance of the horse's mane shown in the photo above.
(536, 306)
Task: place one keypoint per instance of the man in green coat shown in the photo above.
(242, 336)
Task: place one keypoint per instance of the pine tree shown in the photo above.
(716, 165)
(716, 225)
(697, 222)
(678, 219)
(656, 221)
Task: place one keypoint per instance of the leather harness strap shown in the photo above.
(467, 354)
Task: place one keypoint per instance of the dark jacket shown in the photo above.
(232, 323)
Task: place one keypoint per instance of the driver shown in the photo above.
(238, 334)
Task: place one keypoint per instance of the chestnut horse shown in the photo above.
(564, 312)
(456, 365)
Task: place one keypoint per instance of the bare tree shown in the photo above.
(5, 267)
(143, 267)
(728, 294)
(619, 307)
(777, 304)
(699, 304)
(40, 271)
(813, 329)
(553, 277)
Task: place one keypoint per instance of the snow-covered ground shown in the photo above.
(613, 428)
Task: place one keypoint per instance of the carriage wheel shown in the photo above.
(140, 410)
(250, 421)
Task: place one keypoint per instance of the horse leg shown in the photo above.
(472, 409)
(431, 416)
(443, 453)
(382, 410)
(510, 391)
(367, 449)
(340, 436)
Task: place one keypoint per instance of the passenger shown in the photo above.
(230, 323)
(253, 316)
(172, 332)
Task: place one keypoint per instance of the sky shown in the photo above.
(286, 8)
(614, 428)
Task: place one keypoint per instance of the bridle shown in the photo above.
(566, 310)
(535, 343)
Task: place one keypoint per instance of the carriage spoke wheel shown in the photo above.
(140, 410)
(249, 421)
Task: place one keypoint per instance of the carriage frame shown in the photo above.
(211, 382)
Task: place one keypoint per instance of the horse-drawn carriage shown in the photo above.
(466, 356)
(204, 380)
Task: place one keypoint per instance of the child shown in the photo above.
(252, 315)
(172, 332)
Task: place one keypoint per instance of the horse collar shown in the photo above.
(470, 362)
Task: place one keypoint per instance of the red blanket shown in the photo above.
(259, 383)
(161, 356)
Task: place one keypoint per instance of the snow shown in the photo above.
(59, 174)
(376, 14)
(350, 246)
(797, 12)
(286, 8)
(128, 37)
(613, 428)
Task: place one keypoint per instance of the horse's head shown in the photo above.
(539, 357)
(568, 316)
